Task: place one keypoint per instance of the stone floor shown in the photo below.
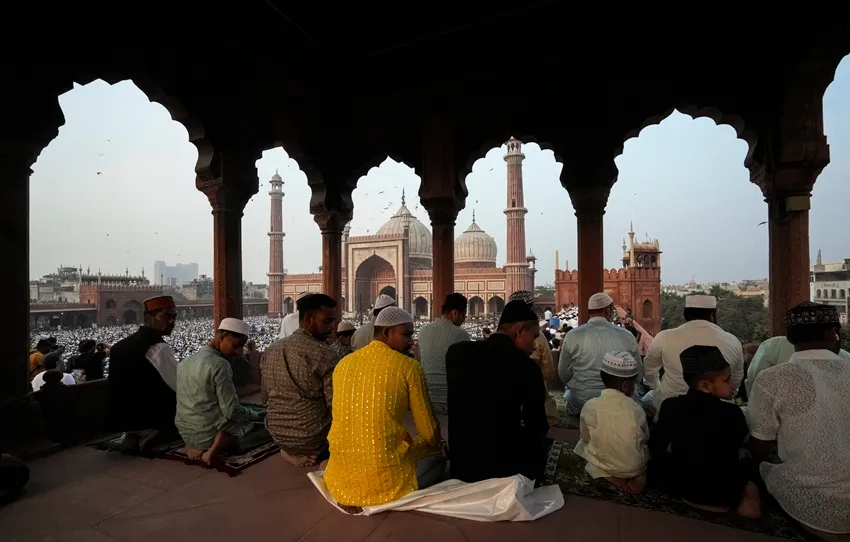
(84, 494)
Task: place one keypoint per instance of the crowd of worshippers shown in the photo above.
(349, 401)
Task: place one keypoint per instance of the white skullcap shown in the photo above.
(344, 326)
(384, 301)
(599, 301)
(700, 302)
(393, 316)
(302, 295)
(620, 364)
(235, 325)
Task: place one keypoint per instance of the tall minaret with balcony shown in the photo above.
(516, 265)
(276, 235)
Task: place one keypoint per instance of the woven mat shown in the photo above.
(566, 469)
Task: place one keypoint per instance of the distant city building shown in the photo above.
(745, 288)
(830, 284)
(64, 285)
(174, 275)
(200, 288)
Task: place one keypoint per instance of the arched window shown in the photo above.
(842, 294)
(832, 294)
(110, 304)
(646, 310)
(817, 294)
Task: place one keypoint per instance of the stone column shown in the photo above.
(331, 225)
(443, 213)
(443, 194)
(589, 203)
(228, 201)
(14, 275)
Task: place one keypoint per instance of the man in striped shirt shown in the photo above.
(434, 342)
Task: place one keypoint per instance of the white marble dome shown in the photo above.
(475, 246)
(420, 235)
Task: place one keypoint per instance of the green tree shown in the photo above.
(746, 317)
(544, 290)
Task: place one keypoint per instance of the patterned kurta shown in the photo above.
(298, 391)
(373, 457)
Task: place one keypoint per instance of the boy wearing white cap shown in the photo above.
(700, 328)
(613, 427)
(209, 416)
(585, 346)
(366, 332)
(342, 344)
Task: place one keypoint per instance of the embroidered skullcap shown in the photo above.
(620, 364)
(808, 313)
(700, 302)
(383, 301)
(599, 301)
(522, 295)
(302, 295)
(517, 311)
(235, 325)
(344, 326)
(701, 359)
(393, 316)
(159, 302)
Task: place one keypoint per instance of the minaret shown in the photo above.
(516, 266)
(348, 290)
(276, 235)
(632, 262)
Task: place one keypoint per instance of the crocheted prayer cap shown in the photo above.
(620, 364)
(384, 300)
(599, 301)
(345, 326)
(701, 359)
(808, 313)
(393, 316)
(522, 295)
(159, 302)
(700, 302)
(235, 325)
(517, 311)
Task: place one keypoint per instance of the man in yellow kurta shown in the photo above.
(374, 459)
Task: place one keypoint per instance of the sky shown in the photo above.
(115, 191)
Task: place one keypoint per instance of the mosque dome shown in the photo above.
(276, 178)
(419, 234)
(475, 246)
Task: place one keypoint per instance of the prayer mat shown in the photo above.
(566, 469)
(113, 444)
(231, 464)
(567, 421)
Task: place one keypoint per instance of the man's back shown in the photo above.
(495, 391)
(298, 390)
(434, 342)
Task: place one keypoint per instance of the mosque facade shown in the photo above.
(635, 287)
(397, 260)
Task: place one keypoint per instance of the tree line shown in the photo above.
(745, 317)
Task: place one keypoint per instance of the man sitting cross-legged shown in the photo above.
(297, 384)
(209, 416)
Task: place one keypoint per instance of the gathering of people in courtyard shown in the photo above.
(391, 407)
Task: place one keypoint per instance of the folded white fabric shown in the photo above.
(497, 499)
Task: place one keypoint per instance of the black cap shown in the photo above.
(701, 359)
(517, 311)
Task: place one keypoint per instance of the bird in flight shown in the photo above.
(761, 223)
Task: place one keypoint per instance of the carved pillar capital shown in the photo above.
(589, 200)
(443, 210)
(331, 221)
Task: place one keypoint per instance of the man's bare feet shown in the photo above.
(750, 506)
(636, 485)
(299, 460)
(207, 457)
(193, 453)
(323, 465)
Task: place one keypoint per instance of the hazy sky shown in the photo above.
(116, 190)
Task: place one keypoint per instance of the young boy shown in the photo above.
(705, 436)
(613, 427)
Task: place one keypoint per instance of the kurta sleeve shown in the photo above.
(228, 400)
(544, 358)
(762, 417)
(324, 369)
(265, 369)
(760, 362)
(429, 440)
(653, 362)
(737, 365)
(566, 361)
(161, 356)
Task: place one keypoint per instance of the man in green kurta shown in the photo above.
(209, 416)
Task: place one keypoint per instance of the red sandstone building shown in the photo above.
(635, 287)
(397, 260)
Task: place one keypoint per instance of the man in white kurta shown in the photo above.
(700, 329)
(585, 346)
(289, 324)
(803, 406)
(366, 332)
(772, 352)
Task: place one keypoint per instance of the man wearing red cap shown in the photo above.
(142, 379)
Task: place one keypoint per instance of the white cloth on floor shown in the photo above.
(497, 499)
